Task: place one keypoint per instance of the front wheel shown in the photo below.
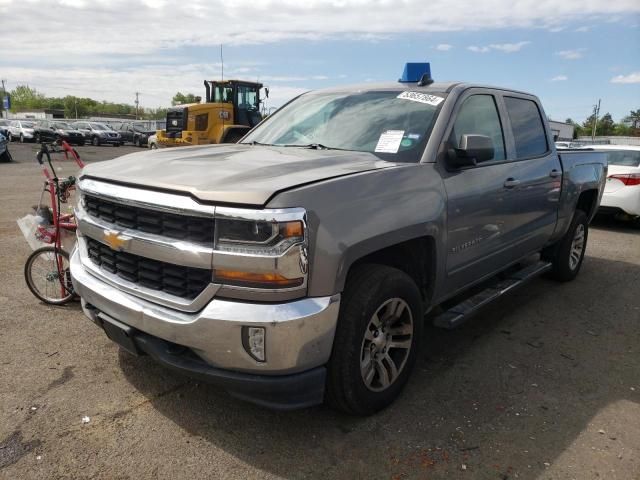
(138, 142)
(567, 255)
(38, 138)
(377, 339)
(95, 141)
(48, 276)
(21, 138)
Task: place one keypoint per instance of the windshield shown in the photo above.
(99, 126)
(62, 126)
(27, 124)
(624, 158)
(394, 125)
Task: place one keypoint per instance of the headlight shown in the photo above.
(261, 249)
(258, 237)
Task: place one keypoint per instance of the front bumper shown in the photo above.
(111, 140)
(625, 198)
(298, 339)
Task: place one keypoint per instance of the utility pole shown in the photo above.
(4, 92)
(137, 93)
(596, 112)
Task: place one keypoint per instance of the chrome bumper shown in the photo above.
(299, 334)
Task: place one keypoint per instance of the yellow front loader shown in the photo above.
(230, 110)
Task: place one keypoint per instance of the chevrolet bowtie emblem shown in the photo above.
(115, 240)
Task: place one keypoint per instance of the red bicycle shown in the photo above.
(47, 268)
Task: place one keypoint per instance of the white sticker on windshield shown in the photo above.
(389, 141)
(433, 100)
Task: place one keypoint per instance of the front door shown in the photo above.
(482, 212)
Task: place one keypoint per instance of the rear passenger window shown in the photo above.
(527, 127)
(479, 116)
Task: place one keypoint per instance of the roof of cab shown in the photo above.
(443, 87)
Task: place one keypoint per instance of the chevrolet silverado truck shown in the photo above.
(299, 265)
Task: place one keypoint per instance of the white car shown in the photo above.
(21, 130)
(622, 191)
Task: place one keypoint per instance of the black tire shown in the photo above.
(95, 141)
(21, 138)
(38, 138)
(138, 142)
(29, 275)
(368, 289)
(153, 146)
(9, 137)
(564, 255)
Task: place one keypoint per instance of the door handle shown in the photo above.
(555, 173)
(511, 182)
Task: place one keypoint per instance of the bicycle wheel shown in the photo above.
(42, 273)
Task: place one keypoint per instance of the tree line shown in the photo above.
(606, 126)
(24, 97)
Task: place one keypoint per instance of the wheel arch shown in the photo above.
(414, 256)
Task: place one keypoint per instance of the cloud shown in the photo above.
(509, 47)
(571, 54)
(559, 78)
(120, 85)
(475, 48)
(501, 47)
(443, 47)
(631, 78)
(582, 29)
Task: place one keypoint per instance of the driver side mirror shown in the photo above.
(266, 92)
(472, 150)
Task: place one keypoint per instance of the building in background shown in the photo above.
(561, 131)
(36, 114)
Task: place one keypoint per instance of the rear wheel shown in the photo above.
(38, 138)
(95, 141)
(138, 142)
(567, 255)
(48, 276)
(21, 138)
(377, 339)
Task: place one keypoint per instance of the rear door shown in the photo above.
(482, 214)
(536, 172)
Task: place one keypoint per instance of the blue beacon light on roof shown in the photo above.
(415, 72)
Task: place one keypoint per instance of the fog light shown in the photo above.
(253, 340)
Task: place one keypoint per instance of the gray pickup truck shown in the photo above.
(298, 266)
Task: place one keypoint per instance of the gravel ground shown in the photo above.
(544, 384)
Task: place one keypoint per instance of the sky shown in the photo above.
(568, 52)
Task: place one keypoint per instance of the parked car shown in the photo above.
(98, 133)
(51, 130)
(622, 192)
(136, 133)
(152, 142)
(4, 125)
(21, 130)
(5, 156)
(296, 267)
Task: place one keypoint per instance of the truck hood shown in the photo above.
(233, 174)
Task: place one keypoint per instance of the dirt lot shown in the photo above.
(543, 385)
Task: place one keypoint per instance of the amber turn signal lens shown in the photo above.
(259, 280)
(291, 229)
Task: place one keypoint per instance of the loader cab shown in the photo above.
(244, 96)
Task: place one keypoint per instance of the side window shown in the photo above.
(479, 116)
(527, 127)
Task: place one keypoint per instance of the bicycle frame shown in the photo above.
(57, 196)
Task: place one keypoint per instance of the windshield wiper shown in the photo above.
(257, 143)
(315, 146)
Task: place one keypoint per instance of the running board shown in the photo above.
(460, 313)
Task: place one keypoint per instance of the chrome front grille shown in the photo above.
(177, 280)
(180, 227)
